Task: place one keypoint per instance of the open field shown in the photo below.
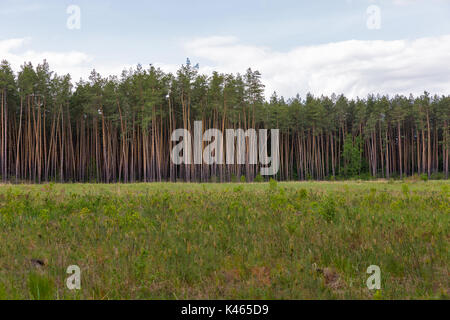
(226, 241)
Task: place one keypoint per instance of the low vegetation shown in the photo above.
(226, 241)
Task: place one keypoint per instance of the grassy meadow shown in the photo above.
(312, 240)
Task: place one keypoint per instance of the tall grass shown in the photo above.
(234, 241)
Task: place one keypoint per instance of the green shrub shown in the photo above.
(243, 179)
(365, 176)
(328, 208)
(302, 193)
(424, 177)
(279, 201)
(437, 176)
(273, 184)
(259, 178)
(378, 295)
(351, 155)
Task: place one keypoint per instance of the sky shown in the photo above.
(354, 47)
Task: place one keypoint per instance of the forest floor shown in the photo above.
(311, 240)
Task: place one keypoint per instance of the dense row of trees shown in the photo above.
(118, 129)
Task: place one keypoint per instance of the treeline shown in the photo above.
(119, 129)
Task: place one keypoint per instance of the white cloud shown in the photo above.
(355, 67)
(78, 64)
(7, 45)
(73, 62)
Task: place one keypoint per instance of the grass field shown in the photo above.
(226, 241)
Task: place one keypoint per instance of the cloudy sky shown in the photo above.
(353, 47)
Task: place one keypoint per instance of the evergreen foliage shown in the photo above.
(118, 129)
